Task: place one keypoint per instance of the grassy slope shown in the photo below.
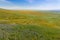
(29, 25)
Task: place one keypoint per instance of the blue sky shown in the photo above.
(30, 4)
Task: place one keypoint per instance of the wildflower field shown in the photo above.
(29, 25)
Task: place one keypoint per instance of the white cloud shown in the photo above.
(6, 2)
(8, 5)
(11, 7)
(50, 5)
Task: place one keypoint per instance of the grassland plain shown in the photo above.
(29, 25)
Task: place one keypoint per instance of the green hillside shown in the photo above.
(29, 25)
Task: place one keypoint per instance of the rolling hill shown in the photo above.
(29, 25)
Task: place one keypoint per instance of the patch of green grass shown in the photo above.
(28, 32)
